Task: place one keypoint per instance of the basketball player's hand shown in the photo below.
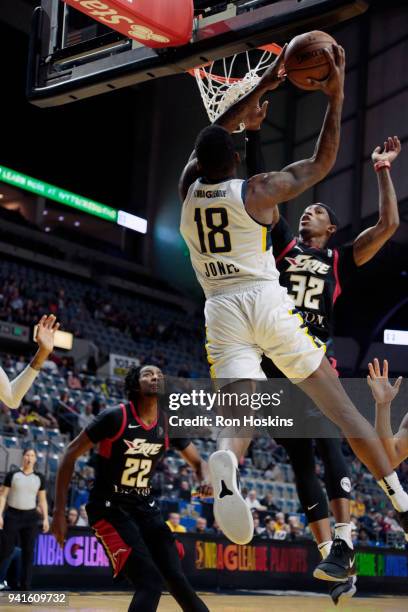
(383, 391)
(45, 526)
(59, 527)
(275, 74)
(392, 148)
(1, 522)
(47, 327)
(333, 86)
(256, 115)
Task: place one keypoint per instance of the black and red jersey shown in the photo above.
(128, 453)
(313, 277)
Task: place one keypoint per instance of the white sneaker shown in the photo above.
(4, 586)
(230, 510)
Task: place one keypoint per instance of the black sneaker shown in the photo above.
(338, 565)
(343, 590)
(402, 518)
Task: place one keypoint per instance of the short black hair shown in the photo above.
(215, 152)
(28, 449)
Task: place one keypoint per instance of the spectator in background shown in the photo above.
(21, 364)
(364, 539)
(83, 517)
(390, 522)
(357, 506)
(295, 528)
(72, 517)
(46, 418)
(281, 527)
(201, 525)
(80, 494)
(73, 381)
(173, 523)
(253, 502)
(184, 491)
(258, 530)
(7, 425)
(268, 502)
(269, 531)
(215, 530)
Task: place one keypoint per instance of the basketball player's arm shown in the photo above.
(12, 392)
(3, 499)
(265, 191)
(371, 240)
(43, 504)
(79, 446)
(235, 115)
(383, 392)
(200, 467)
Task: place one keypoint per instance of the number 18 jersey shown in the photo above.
(227, 247)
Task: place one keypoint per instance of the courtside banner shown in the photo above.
(212, 562)
(154, 23)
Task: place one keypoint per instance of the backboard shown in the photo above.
(73, 57)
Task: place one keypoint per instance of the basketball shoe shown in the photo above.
(343, 590)
(339, 565)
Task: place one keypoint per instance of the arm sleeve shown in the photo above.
(346, 265)
(281, 236)
(255, 161)
(7, 479)
(180, 444)
(11, 393)
(106, 425)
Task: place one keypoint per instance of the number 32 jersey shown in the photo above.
(128, 453)
(313, 277)
(227, 247)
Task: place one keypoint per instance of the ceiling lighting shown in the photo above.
(61, 218)
(47, 229)
(77, 223)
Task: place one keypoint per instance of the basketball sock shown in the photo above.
(343, 531)
(394, 491)
(324, 548)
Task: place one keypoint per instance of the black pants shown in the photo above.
(301, 454)
(139, 544)
(20, 526)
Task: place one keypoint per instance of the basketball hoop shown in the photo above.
(219, 91)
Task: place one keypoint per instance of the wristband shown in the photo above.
(383, 163)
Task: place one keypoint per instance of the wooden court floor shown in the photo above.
(100, 602)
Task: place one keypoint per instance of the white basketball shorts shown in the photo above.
(260, 319)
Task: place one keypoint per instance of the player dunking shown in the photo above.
(132, 439)
(225, 222)
(314, 276)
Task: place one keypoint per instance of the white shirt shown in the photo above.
(227, 247)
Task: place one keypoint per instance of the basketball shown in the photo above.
(305, 59)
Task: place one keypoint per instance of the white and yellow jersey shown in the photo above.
(227, 247)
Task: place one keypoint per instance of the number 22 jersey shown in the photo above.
(128, 453)
(227, 247)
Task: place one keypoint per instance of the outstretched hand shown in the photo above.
(47, 327)
(256, 115)
(392, 148)
(275, 74)
(334, 84)
(383, 391)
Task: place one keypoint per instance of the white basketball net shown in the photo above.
(220, 91)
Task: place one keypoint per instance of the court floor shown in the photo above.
(100, 602)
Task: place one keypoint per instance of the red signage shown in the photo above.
(154, 23)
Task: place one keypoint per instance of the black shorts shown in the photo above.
(126, 529)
